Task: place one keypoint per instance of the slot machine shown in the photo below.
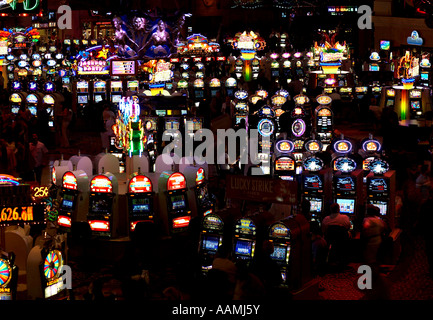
(266, 128)
(173, 202)
(424, 74)
(346, 93)
(284, 162)
(241, 106)
(278, 101)
(214, 87)
(172, 123)
(102, 215)
(255, 68)
(230, 86)
(370, 149)
(415, 103)
(287, 67)
(74, 199)
(49, 101)
(315, 180)
(32, 101)
(299, 130)
(324, 120)
(389, 94)
(198, 87)
(376, 92)
(140, 201)
(381, 189)
(8, 276)
(16, 101)
(244, 240)
(52, 281)
(201, 201)
(132, 86)
(99, 90)
(279, 235)
(275, 66)
(347, 179)
(83, 95)
(151, 133)
(361, 92)
(211, 238)
(239, 68)
(116, 91)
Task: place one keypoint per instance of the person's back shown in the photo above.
(336, 218)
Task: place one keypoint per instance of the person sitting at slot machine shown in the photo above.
(372, 230)
(336, 227)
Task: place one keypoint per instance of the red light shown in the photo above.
(181, 222)
(98, 225)
(420, 11)
(64, 221)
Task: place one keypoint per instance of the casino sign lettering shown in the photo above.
(12, 215)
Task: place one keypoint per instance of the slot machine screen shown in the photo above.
(15, 109)
(100, 205)
(279, 253)
(67, 202)
(344, 184)
(116, 98)
(275, 73)
(424, 76)
(178, 202)
(347, 205)
(140, 205)
(243, 247)
(382, 205)
(213, 93)
(415, 105)
(389, 102)
(240, 118)
(377, 185)
(315, 204)
(98, 98)
(82, 99)
(313, 182)
(33, 110)
(210, 243)
(199, 94)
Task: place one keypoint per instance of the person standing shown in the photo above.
(38, 150)
(66, 120)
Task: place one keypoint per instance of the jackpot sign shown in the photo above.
(261, 189)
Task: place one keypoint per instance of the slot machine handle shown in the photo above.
(139, 170)
(79, 153)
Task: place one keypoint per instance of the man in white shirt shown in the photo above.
(336, 218)
(38, 150)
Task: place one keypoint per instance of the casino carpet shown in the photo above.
(408, 280)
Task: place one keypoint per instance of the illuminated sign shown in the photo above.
(176, 181)
(8, 180)
(101, 184)
(199, 177)
(123, 67)
(371, 146)
(313, 146)
(40, 192)
(140, 184)
(69, 181)
(343, 146)
(181, 222)
(323, 99)
(284, 164)
(17, 214)
(92, 67)
(15, 98)
(301, 99)
(415, 39)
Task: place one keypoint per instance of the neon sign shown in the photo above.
(16, 214)
(199, 178)
(69, 181)
(140, 184)
(176, 182)
(101, 184)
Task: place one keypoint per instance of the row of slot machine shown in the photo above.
(31, 95)
(295, 140)
(352, 179)
(97, 90)
(167, 199)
